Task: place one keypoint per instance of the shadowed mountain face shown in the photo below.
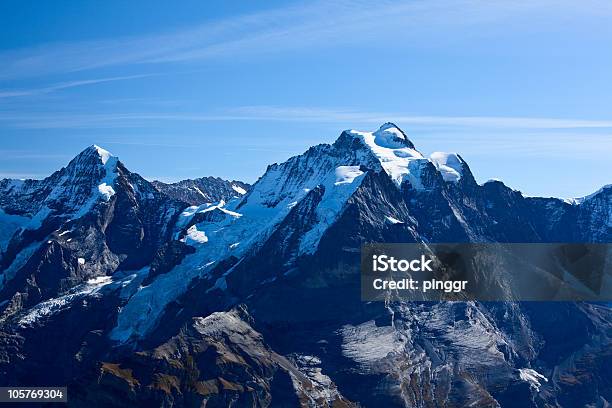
(85, 221)
(203, 190)
(250, 296)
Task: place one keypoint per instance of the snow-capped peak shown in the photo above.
(389, 135)
(396, 154)
(87, 178)
(103, 153)
(400, 159)
(449, 165)
(92, 156)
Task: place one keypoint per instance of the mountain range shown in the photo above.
(205, 190)
(218, 293)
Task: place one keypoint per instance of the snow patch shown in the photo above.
(448, 164)
(394, 220)
(104, 154)
(52, 306)
(100, 280)
(346, 174)
(339, 186)
(390, 137)
(239, 189)
(106, 191)
(393, 152)
(532, 377)
(195, 236)
(200, 192)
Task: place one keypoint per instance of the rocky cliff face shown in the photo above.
(218, 361)
(203, 190)
(84, 222)
(256, 302)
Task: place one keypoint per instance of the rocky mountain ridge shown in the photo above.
(132, 296)
(204, 190)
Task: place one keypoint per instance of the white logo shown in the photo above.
(383, 263)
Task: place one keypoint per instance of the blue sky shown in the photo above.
(521, 90)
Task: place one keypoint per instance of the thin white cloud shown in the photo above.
(318, 24)
(307, 114)
(345, 117)
(65, 85)
(29, 155)
(478, 135)
(153, 144)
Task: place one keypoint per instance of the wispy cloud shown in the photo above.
(320, 24)
(307, 114)
(154, 144)
(29, 155)
(345, 117)
(65, 85)
(202, 144)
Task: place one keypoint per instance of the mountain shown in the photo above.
(203, 190)
(83, 222)
(256, 301)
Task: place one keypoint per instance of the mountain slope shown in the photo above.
(219, 361)
(85, 221)
(288, 251)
